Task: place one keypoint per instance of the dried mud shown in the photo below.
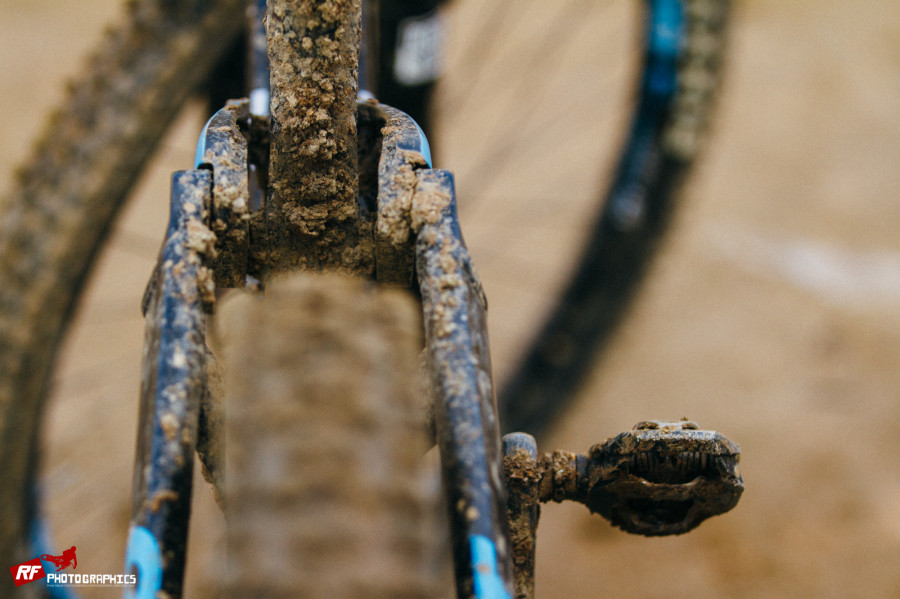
(798, 179)
(313, 156)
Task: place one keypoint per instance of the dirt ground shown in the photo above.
(772, 316)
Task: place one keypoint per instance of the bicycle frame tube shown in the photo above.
(457, 348)
(465, 410)
(172, 384)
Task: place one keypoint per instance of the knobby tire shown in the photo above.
(62, 206)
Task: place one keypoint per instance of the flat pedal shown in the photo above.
(660, 478)
(663, 478)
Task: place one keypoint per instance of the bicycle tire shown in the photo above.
(327, 492)
(621, 247)
(57, 216)
(314, 219)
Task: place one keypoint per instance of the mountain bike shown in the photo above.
(324, 183)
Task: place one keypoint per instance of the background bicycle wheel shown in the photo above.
(772, 315)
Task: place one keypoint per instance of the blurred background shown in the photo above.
(772, 315)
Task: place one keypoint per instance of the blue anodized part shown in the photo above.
(201, 144)
(488, 583)
(666, 30)
(143, 554)
(424, 147)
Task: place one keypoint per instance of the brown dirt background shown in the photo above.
(772, 315)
